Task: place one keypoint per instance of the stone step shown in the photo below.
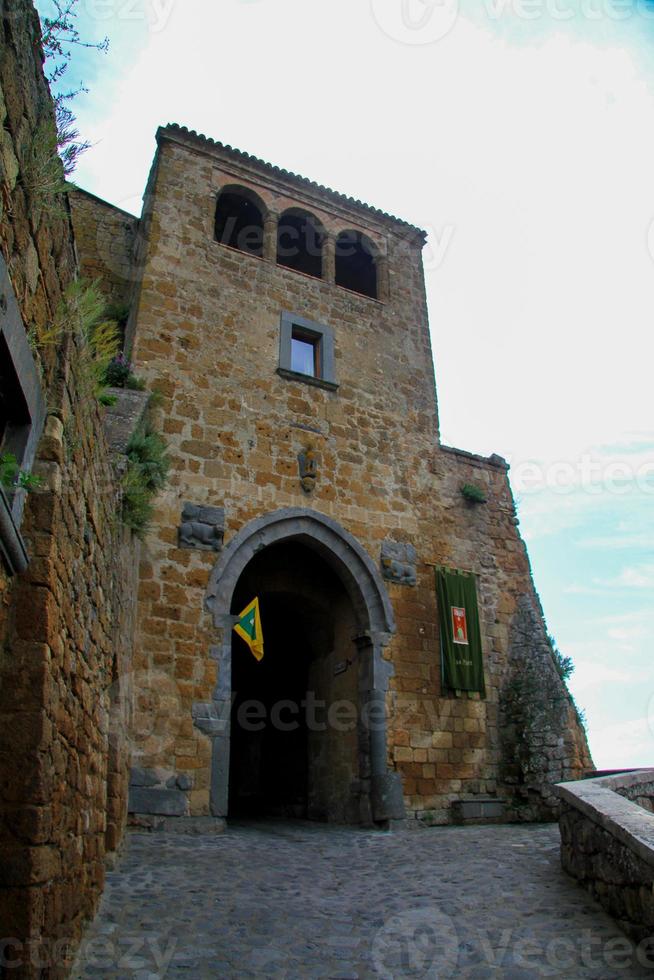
(483, 809)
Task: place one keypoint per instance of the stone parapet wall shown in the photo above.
(66, 623)
(640, 792)
(607, 844)
(105, 237)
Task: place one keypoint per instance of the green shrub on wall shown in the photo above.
(473, 493)
(146, 474)
(81, 315)
(12, 477)
(119, 374)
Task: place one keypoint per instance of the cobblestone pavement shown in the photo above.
(307, 900)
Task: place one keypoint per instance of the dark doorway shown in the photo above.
(269, 752)
(287, 757)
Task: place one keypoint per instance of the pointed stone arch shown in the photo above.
(338, 547)
(375, 625)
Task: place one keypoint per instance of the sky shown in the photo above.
(520, 135)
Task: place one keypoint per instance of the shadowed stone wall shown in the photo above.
(105, 237)
(66, 622)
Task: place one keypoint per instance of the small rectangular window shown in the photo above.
(304, 355)
(306, 352)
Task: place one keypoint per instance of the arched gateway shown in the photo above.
(329, 618)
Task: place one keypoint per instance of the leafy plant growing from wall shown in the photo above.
(55, 146)
(473, 493)
(147, 472)
(119, 374)
(80, 316)
(564, 665)
(43, 176)
(59, 36)
(12, 477)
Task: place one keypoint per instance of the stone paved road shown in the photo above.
(300, 900)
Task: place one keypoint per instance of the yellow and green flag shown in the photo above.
(249, 628)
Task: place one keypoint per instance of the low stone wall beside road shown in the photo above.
(607, 844)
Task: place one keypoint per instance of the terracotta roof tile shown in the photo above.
(173, 128)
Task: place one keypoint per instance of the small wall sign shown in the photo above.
(459, 626)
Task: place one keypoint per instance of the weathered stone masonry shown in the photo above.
(66, 620)
(207, 331)
(607, 844)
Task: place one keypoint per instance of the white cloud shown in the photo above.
(634, 577)
(627, 634)
(589, 674)
(639, 577)
(625, 542)
(627, 744)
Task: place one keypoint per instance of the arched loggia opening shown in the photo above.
(300, 242)
(356, 265)
(239, 219)
(326, 604)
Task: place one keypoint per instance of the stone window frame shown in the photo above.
(323, 337)
(22, 437)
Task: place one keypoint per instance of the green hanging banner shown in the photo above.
(461, 658)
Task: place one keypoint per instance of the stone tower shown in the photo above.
(285, 327)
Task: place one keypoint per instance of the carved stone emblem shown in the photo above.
(398, 562)
(308, 462)
(202, 527)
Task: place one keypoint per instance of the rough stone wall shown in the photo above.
(66, 623)
(613, 874)
(538, 721)
(449, 747)
(207, 336)
(640, 793)
(105, 237)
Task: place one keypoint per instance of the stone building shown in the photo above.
(285, 327)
